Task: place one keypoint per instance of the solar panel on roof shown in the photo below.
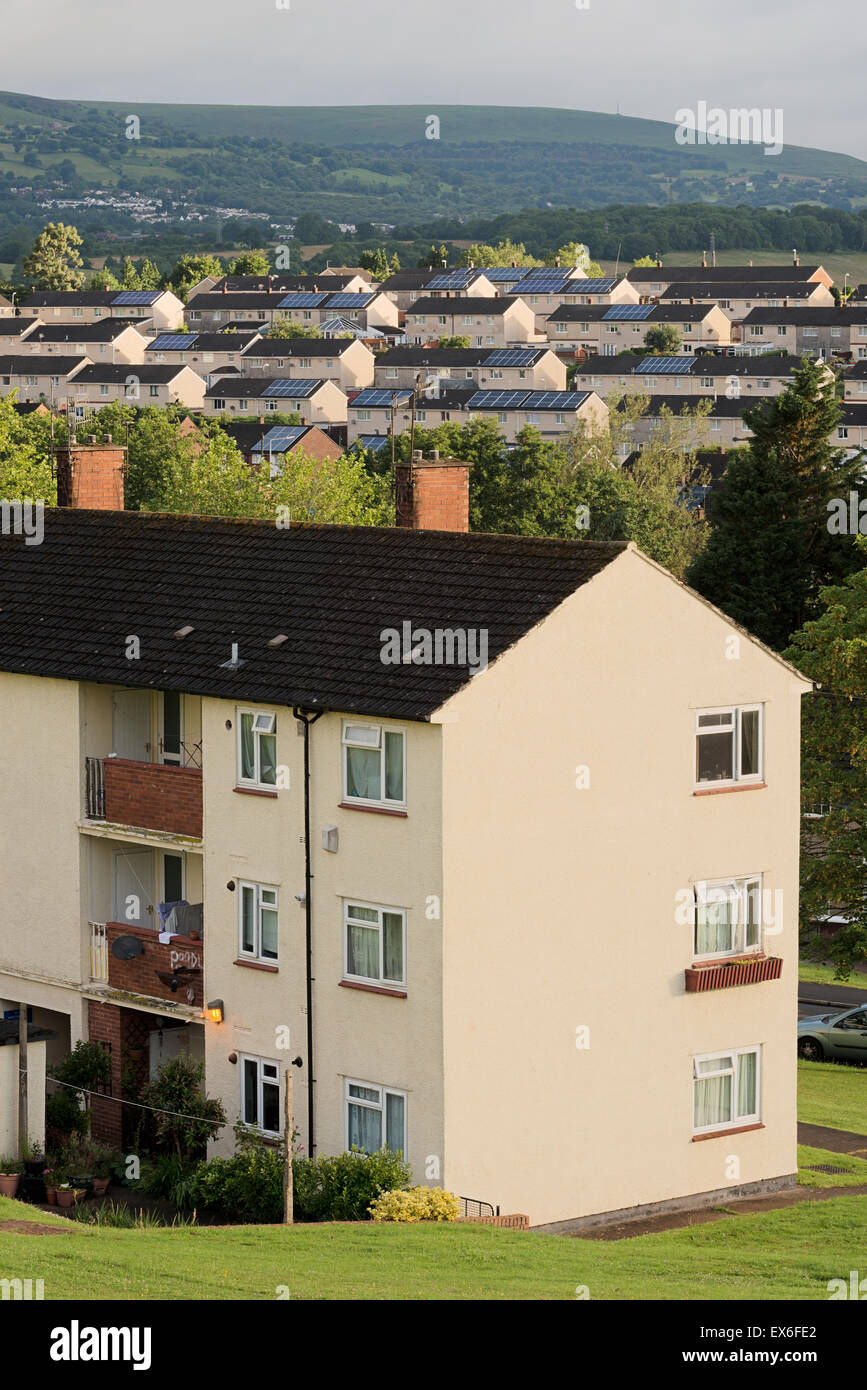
(348, 301)
(500, 272)
(553, 400)
(136, 297)
(540, 286)
(510, 357)
(302, 299)
(373, 442)
(664, 366)
(172, 342)
(279, 439)
(283, 387)
(589, 286)
(628, 311)
(452, 280)
(496, 400)
(372, 397)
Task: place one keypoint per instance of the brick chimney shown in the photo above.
(433, 494)
(91, 476)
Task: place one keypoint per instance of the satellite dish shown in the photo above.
(126, 947)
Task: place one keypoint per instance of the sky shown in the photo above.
(653, 57)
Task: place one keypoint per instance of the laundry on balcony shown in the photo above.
(164, 911)
(181, 919)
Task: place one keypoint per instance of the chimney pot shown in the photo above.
(433, 494)
(91, 439)
(108, 439)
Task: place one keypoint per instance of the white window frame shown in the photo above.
(256, 780)
(743, 885)
(346, 743)
(258, 904)
(735, 1121)
(261, 1081)
(737, 712)
(380, 1105)
(379, 926)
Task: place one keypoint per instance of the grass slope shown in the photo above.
(833, 1095)
(781, 1255)
(403, 125)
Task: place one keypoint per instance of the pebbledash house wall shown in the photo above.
(559, 906)
(387, 859)
(42, 942)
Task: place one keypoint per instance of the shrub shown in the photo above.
(163, 1175)
(415, 1204)
(247, 1187)
(341, 1187)
(63, 1117)
(188, 1118)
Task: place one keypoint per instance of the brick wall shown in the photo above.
(438, 498)
(125, 1033)
(92, 477)
(103, 1025)
(139, 975)
(154, 796)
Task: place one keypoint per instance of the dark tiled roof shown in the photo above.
(702, 364)
(858, 371)
(260, 386)
(11, 327)
(153, 372)
(469, 304)
(810, 316)
(643, 273)
(618, 313)
(204, 342)
(742, 289)
(104, 331)
(282, 282)
(679, 404)
(69, 604)
(297, 347)
(40, 364)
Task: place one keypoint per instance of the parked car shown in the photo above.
(839, 1035)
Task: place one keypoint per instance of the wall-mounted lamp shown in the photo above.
(215, 1011)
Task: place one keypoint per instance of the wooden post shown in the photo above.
(23, 1137)
(288, 1193)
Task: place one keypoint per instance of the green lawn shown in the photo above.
(781, 1255)
(812, 972)
(833, 1095)
(855, 1176)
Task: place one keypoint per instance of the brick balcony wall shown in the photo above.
(729, 974)
(139, 976)
(154, 796)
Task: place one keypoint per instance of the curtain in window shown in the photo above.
(268, 758)
(392, 926)
(271, 1106)
(747, 1078)
(365, 1128)
(362, 948)
(749, 743)
(269, 932)
(248, 759)
(394, 767)
(251, 1084)
(394, 1123)
(248, 908)
(363, 773)
(713, 922)
(712, 1100)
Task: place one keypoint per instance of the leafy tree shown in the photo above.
(832, 649)
(250, 263)
(130, 278)
(505, 253)
(663, 339)
(311, 229)
(54, 262)
(189, 1116)
(645, 260)
(189, 270)
(285, 328)
(82, 1071)
(454, 340)
(102, 280)
(376, 262)
(394, 264)
(149, 275)
(437, 257)
(25, 464)
(769, 550)
(576, 253)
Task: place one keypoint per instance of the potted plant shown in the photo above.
(10, 1176)
(65, 1194)
(34, 1160)
(49, 1177)
(101, 1158)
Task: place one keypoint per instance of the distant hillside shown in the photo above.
(374, 163)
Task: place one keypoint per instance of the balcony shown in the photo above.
(153, 796)
(145, 966)
(752, 970)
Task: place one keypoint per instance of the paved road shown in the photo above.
(821, 999)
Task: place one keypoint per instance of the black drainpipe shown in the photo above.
(308, 718)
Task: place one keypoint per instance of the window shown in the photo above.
(375, 1118)
(531, 418)
(495, 376)
(756, 331)
(391, 373)
(728, 745)
(764, 383)
(728, 917)
(257, 749)
(467, 319)
(242, 405)
(562, 328)
(862, 330)
(842, 432)
(707, 382)
(502, 417)
(154, 390)
(362, 415)
(257, 926)
(272, 405)
(78, 313)
(260, 1094)
(811, 332)
(218, 404)
(374, 764)
(725, 1090)
(716, 425)
(374, 944)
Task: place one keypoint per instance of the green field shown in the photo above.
(780, 1255)
(833, 1095)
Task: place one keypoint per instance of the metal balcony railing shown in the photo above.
(94, 788)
